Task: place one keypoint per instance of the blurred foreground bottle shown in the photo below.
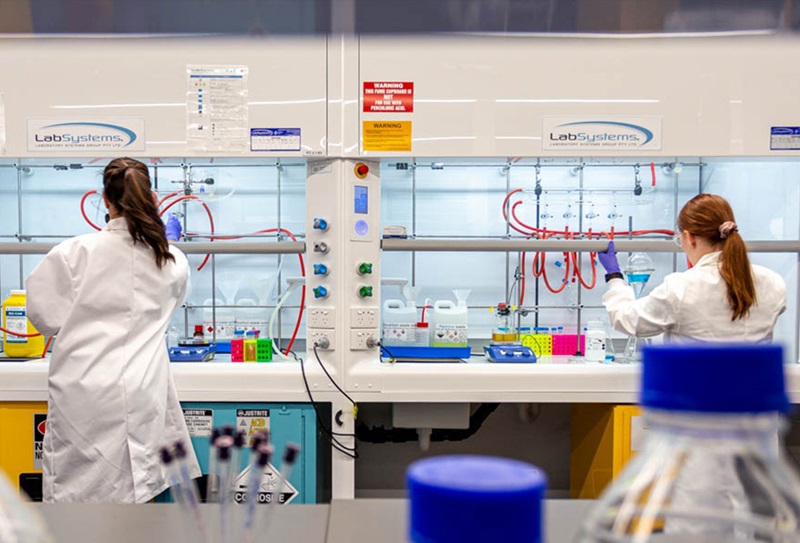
(474, 499)
(711, 468)
(19, 522)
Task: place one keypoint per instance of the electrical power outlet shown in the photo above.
(363, 340)
(322, 317)
(315, 336)
(363, 317)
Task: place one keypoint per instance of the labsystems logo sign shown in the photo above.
(560, 133)
(103, 135)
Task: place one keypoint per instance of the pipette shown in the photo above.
(189, 488)
(261, 460)
(176, 488)
(224, 445)
(258, 439)
(236, 455)
(290, 454)
(212, 481)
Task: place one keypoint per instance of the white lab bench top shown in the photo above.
(343, 521)
(551, 380)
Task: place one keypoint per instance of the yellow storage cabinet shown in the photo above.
(22, 426)
(604, 438)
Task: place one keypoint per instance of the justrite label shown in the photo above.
(251, 421)
(16, 321)
(199, 422)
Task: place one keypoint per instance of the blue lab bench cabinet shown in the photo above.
(288, 423)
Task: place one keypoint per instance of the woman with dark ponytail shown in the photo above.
(721, 298)
(109, 297)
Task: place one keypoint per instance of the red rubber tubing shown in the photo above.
(17, 334)
(83, 211)
(208, 212)
(47, 346)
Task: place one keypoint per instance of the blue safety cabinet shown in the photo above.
(286, 422)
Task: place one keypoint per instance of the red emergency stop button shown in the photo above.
(361, 170)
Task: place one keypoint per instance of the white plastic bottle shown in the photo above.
(223, 317)
(449, 323)
(422, 336)
(595, 342)
(711, 468)
(399, 323)
(249, 317)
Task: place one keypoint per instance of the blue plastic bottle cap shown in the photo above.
(714, 378)
(474, 499)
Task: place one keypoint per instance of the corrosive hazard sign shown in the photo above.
(388, 96)
(272, 488)
(251, 421)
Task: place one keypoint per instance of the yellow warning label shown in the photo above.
(386, 135)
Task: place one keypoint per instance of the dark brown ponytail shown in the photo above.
(126, 184)
(711, 217)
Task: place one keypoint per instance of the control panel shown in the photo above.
(324, 251)
(362, 211)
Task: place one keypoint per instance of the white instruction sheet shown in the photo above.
(216, 106)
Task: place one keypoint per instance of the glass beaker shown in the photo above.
(504, 331)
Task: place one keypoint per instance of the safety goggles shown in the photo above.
(677, 237)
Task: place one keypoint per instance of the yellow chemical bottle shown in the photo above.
(250, 344)
(15, 319)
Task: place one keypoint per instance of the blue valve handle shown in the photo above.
(320, 292)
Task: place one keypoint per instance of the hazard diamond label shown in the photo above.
(271, 487)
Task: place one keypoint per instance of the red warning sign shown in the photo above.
(388, 97)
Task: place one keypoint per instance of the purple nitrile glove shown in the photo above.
(173, 228)
(608, 259)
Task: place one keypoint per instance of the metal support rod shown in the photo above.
(514, 245)
(443, 245)
(193, 248)
(577, 263)
(19, 226)
(580, 164)
(414, 222)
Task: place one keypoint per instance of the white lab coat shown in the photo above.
(693, 306)
(112, 401)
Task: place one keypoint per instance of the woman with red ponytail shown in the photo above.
(723, 297)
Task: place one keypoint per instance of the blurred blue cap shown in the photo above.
(471, 499)
(714, 378)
